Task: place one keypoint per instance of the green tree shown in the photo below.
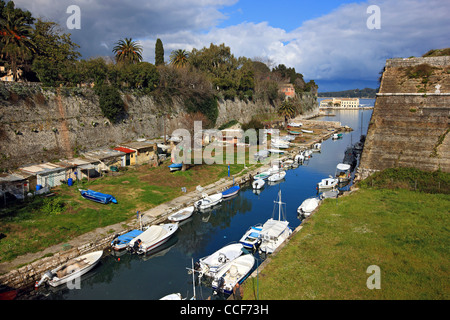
(287, 110)
(142, 75)
(159, 53)
(56, 54)
(179, 58)
(127, 51)
(15, 42)
(110, 101)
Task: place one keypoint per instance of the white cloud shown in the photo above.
(337, 45)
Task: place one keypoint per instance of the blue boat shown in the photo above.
(122, 241)
(97, 196)
(175, 166)
(230, 192)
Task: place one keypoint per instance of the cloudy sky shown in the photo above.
(332, 42)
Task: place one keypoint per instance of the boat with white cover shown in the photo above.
(182, 214)
(234, 272)
(274, 232)
(152, 238)
(213, 263)
(343, 172)
(208, 201)
(308, 206)
(72, 269)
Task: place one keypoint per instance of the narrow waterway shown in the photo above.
(163, 272)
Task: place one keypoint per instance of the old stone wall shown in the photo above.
(55, 124)
(410, 121)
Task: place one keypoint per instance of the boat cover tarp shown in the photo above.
(343, 166)
(231, 190)
(273, 228)
(98, 196)
(152, 234)
(127, 237)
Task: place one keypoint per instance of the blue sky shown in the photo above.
(328, 41)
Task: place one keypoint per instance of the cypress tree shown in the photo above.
(159, 53)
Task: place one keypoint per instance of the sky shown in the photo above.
(340, 44)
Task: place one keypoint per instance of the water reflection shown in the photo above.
(126, 276)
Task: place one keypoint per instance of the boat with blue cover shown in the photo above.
(252, 238)
(122, 241)
(175, 166)
(231, 191)
(97, 196)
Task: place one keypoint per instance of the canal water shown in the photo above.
(150, 277)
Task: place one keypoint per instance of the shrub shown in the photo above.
(110, 101)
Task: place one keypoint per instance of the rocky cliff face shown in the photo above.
(410, 121)
(49, 125)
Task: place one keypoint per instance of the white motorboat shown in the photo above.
(317, 147)
(172, 296)
(299, 158)
(210, 265)
(258, 184)
(288, 163)
(307, 131)
(182, 214)
(251, 238)
(279, 145)
(343, 172)
(308, 206)
(71, 270)
(277, 176)
(152, 238)
(274, 232)
(295, 124)
(209, 201)
(327, 183)
(275, 169)
(234, 272)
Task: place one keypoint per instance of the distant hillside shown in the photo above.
(353, 93)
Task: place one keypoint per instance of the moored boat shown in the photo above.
(235, 272)
(121, 242)
(277, 176)
(258, 184)
(327, 183)
(231, 191)
(308, 206)
(72, 269)
(175, 166)
(210, 265)
(208, 201)
(152, 238)
(182, 214)
(251, 238)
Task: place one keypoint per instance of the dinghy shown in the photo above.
(208, 201)
(70, 270)
(307, 131)
(277, 176)
(235, 272)
(258, 184)
(251, 238)
(213, 263)
(97, 196)
(121, 242)
(230, 192)
(274, 232)
(308, 206)
(182, 214)
(152, 238)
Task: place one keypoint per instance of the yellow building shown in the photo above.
(347, 103)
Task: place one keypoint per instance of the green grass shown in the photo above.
(405, 233)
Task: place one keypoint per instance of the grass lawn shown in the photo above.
(42, 222)
(405, 233)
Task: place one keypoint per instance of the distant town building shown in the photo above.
(340, 103)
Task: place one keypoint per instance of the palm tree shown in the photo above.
(179, 58)
(287, 110)
(16, 44)
(128, 51)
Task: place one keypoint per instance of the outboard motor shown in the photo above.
(47, 276)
